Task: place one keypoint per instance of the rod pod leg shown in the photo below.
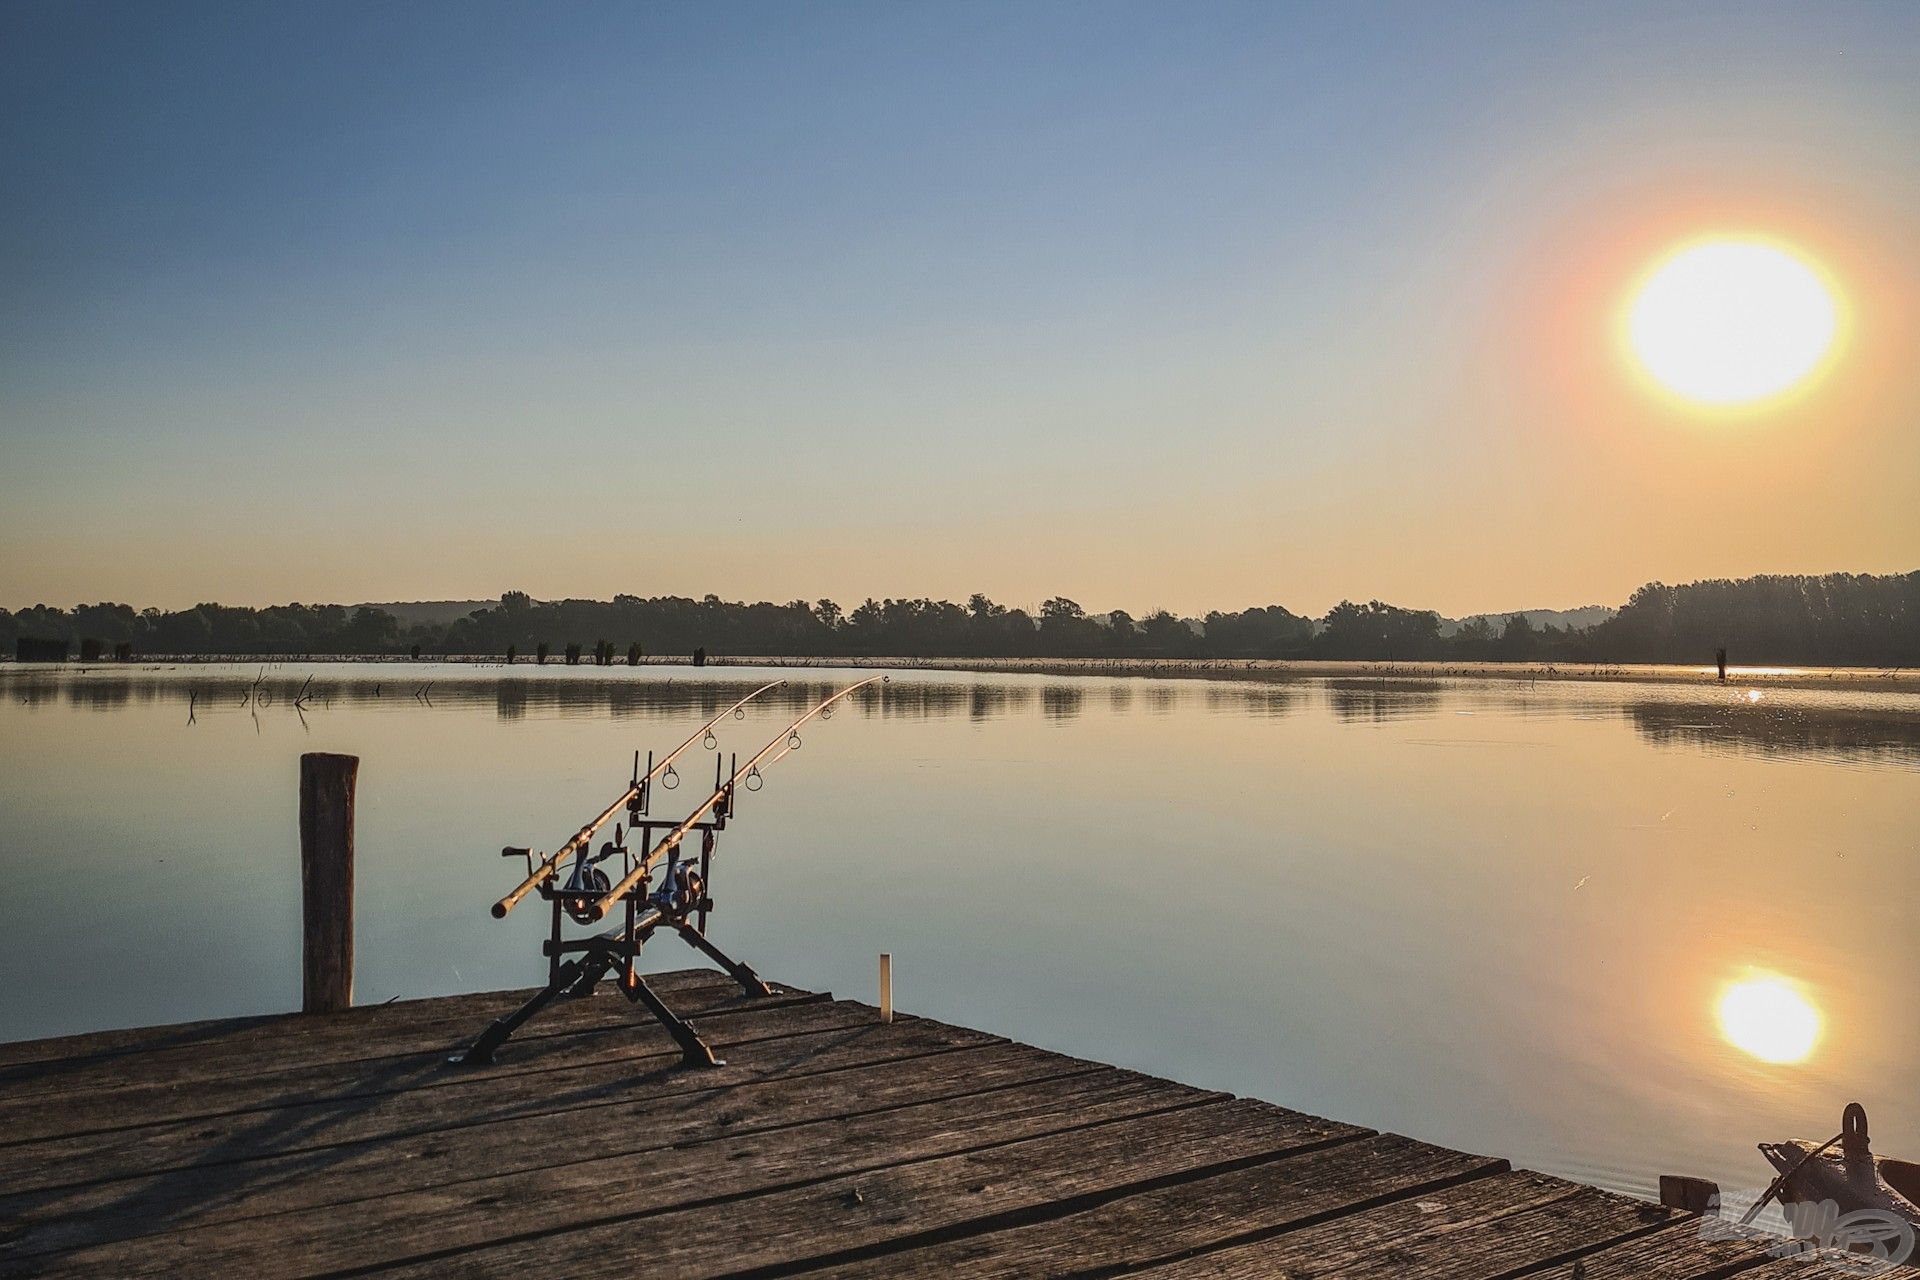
(480, 1052)
(740, 972)
(591, 971)
(694, 1051)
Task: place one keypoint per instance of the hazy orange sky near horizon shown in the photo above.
(1150, 308)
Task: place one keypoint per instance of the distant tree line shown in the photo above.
(1842, 619)
(207, 628)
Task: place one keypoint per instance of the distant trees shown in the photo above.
(1271, 632)
(1379, 631)
(1838, 618)
(1067, 632)
(1164, 636)
(1518, 640)
(1849, 619)
(213, 628)
(1474, 639)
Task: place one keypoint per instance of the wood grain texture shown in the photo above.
(1474, 1229)
(1155, 1226)
(291, 1042)
(474, 1211)
(1677, 1252)
(838, 1078)
(832, 1144)
(610, 1029)
(893, 1208)
(416, 1096)
(1818, 1267)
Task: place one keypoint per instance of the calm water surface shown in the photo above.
(1500, 916)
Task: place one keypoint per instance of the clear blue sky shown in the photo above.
(1183, 305)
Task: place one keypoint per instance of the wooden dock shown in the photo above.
(832, 1144)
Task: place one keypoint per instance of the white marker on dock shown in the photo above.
(886, 986)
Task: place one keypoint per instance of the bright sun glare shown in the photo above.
(1769, 1017)
(1732, 321)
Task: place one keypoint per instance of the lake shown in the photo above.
(1607, 929)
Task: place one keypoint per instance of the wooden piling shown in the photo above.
(1691, 1195)
(886, 986)
(326, 880)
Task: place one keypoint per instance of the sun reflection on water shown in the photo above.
(1770, 1018)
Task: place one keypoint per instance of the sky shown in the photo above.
(1154, 306)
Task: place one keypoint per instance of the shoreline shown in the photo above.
(1860, 679)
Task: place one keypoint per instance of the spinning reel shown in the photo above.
(589, 879)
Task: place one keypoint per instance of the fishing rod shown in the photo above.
(680, 903)
(635, 791)
(720, 803)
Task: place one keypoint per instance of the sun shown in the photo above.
(1732, 321)
(1770, 1018)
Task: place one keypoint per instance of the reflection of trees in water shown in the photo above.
(895, 701)
(1709, 718)
(1062, 701)
(100, 696)
(517, 697)
(33, 693)
(513, 697)
(1270, 700)
(1379, 701)
(992, 701)
(1827, 734)
(510, 700)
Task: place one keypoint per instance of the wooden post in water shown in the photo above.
(326, 880)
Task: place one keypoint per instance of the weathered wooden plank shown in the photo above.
(86, 1045)
(474, 1213)
(903, 1206)
(122, 1096)
(1318, 1250)
(432, 1094)
(838, 1081)
(1559, 1230)
(1676, 1252)
(618, 1030)
(1816, 1266)
(394, 1015)
(1154, 1226)
(303, 1042)
(1500, 1226)
(308, 1146)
